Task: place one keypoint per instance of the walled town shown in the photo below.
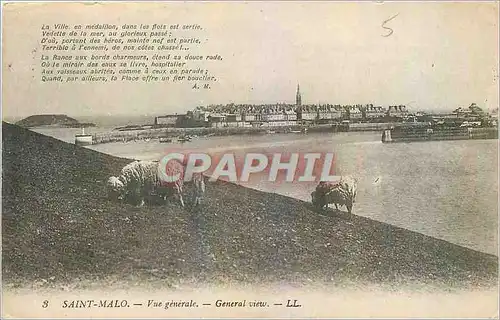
(298, 114)
(233, 119)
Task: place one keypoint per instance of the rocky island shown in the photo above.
(58, 120)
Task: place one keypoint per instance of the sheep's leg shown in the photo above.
(179, 194)
(349, 206)
(161, 194)
(198, 192)
(147, 195)
(336, 206)
(140, 196)
(181, 200)
(197, 201)
(132, 193)
(322, 203)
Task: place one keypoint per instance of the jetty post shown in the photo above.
(83, 139)
(386, 136)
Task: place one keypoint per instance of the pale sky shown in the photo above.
(440, 56)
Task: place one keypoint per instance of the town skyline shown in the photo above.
(297, 102)
(148, 115)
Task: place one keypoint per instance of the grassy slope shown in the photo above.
(57, 225)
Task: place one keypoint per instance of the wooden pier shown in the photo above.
(172, 133)
(169, 133)
(432, 134)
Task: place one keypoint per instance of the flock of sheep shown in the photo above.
(141, 180)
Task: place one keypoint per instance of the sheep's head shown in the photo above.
(317, 199)
(116, 188)
(314, 197)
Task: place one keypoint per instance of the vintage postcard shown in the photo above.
(302, 159)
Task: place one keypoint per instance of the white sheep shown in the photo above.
(140, 179)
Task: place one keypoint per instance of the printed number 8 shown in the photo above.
(45, 304)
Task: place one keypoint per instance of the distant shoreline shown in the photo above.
(67, 126)
(134, 133)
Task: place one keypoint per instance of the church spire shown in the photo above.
(298, 98)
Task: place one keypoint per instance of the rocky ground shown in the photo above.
(58, 227)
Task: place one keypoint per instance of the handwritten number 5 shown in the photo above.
(45, 304)
(390, 29)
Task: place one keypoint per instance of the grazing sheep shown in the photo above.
(136, 181)
(341, 193)
(140, 179)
